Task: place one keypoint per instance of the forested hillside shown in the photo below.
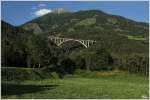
(120, 43)
(117, 33)
(13, 47)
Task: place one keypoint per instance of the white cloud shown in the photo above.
(41, 5)
(42, 12)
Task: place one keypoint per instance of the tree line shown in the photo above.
(38, 52)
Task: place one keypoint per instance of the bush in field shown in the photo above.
(104, 60)
(55, 75)
(138, 64)
(133, 64)
(99, 59)
(67, 66)
(21, 74)
(79, 61)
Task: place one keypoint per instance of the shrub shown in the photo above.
(138, 64)
(55, 75)
(67, 65)
(133, 64)
(79, 61)
(99, 59)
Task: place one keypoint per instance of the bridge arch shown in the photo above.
(72, 40)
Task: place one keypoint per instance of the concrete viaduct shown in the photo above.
(59, 41)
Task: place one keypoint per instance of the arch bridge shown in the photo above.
(59, 41)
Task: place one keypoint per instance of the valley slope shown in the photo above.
(121, 36)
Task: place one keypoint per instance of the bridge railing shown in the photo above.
(53, 37)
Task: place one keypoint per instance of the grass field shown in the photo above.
(136, 38)
(140, 38)
(105, 85)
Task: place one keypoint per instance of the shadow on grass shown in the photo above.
(17, 89)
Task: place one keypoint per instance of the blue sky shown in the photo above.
(19, 12)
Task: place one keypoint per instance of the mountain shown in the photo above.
(119, 35)
(67, 22)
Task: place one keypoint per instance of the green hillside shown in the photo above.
(86, 20)
(120, 42)
(118, 34)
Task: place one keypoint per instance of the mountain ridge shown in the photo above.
(51, 19)
(90, 10)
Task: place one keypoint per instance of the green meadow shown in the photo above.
(81, 85)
